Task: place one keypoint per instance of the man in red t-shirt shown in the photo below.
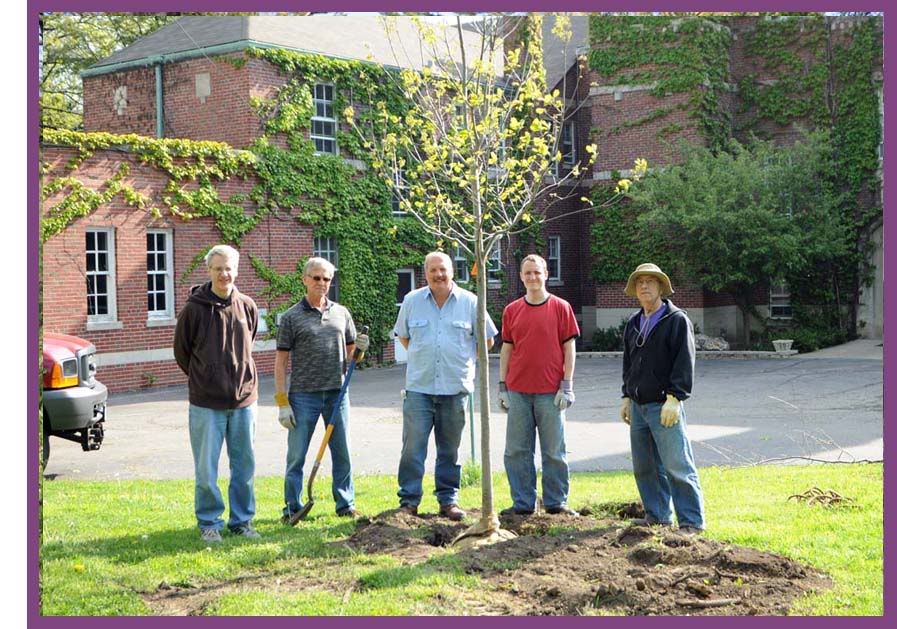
(538, 353)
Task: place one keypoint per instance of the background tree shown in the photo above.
(474, 158)
(746, 217)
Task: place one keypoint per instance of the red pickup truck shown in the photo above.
(74, 401)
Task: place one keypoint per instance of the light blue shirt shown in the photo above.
(442, 344)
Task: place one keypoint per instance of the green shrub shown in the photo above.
(609, 339)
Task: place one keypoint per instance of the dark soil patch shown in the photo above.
(565, 565)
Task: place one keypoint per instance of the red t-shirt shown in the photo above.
(538, 333)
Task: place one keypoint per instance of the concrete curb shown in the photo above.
(745, 355)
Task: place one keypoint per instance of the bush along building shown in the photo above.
(228, 129)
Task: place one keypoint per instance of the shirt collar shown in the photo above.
(307, 306)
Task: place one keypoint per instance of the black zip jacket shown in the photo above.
(665, 363)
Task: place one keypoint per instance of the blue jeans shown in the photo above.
(444, 415)
(210, 427)
(531, 412)
(307, 408)
(664, 467)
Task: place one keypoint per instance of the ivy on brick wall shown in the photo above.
(188, 163)
(333, 196)
(675, 55)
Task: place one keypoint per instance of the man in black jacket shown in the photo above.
(213, 346)
(658, 369)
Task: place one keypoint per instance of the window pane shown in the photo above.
(160, 301)
(102, 305)
(161, 263)
(91, 305)
(150, 262)
(91, 241)
(91, 262)
(149, 302)
(91, 286)
(102, 262)
(100, 284)
(101, 241)
(160, 282)
(149, 282)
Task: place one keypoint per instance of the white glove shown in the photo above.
(669, 413)
(286, 417)
(564, 397)
(625, 410)
(504, 400)
(362, 342)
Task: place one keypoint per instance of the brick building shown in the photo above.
(119, 277)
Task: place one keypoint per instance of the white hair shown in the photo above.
(322, 263)
(231, 254)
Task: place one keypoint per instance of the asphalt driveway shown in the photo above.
(823, 406)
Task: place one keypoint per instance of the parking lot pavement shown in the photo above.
(742, 412)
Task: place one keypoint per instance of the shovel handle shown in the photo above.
(324, 443)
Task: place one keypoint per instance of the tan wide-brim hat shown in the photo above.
(666, 289)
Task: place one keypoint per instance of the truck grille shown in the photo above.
(87, 366)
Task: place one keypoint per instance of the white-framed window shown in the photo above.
(159, 276)
(398, 184)
(462, 267)
(780, 300)
(404, 286)
(100, 265)
(554, 258)
(568, 143)
(323, 122)
(326, 247)
(493, 264)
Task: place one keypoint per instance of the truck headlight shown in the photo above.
(64, 374)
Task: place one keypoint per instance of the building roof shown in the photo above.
(361, 37)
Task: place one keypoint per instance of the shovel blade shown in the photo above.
(300, 515)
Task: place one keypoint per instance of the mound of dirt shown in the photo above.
(567, 565)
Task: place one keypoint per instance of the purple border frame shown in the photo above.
(123, 6)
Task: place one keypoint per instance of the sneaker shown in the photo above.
(210, 536)
(691, 531)
(513, 511)
(408, 509)
(452, 512)
(562, 509)
(348, 512)
(647, 522)
(245, 530)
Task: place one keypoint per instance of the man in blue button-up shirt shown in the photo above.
(437, 325)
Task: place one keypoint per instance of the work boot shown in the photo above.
(408, 509)
(561, 509)
(513, 511)
(647, 522)
(691, 531)
(452, 512)
(348, 512)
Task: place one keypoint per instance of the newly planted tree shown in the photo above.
(475, 157)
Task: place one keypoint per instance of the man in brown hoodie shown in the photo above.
(213, 346)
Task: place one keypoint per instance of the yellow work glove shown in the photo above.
(669, 414)
(625, 410)
(285, 411)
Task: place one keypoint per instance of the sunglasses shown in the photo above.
(319, 278)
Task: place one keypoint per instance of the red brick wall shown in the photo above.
(140, 114)
(278, 243)
(225, 116)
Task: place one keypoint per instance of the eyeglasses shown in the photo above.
(319, 278)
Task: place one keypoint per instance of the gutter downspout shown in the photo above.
(160, 114)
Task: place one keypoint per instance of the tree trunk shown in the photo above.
(483, 381)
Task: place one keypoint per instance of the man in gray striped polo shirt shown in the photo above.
(318, 336)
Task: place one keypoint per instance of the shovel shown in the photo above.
(310, 501)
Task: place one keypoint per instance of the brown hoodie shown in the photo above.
(213, 346)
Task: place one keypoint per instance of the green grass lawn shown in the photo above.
(106, 543)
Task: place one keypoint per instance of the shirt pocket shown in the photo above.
(463, 332)
(419, 330)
